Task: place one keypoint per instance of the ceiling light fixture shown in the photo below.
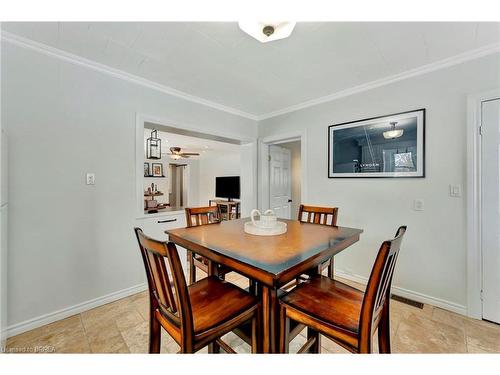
(393, 133)
(267, 31)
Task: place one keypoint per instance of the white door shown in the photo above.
(280, 186)
(491, 208)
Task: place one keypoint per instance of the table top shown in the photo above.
(272, 254)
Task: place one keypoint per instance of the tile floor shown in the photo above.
(122, 327)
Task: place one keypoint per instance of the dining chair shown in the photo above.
(344, 314)
(321, 216)
(196, 216)
(196, 315)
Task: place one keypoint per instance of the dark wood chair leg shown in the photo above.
(192, 268)
(255, 337)
(284, 331)
(330, 269)
(315, 348)
(154, 334)
(384, 331)
(252, 287)
(213, 348)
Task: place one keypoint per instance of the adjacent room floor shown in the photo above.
(122, 327)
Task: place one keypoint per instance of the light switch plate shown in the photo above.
(90, 179)
(418, 204)
(455, 191)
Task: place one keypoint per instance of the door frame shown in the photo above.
(263, 162)
(473, 197)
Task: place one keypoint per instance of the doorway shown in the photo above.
(490, 209)
(281, 176)
(178, 188)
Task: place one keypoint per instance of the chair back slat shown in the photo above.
(318, 215)
(202, 215)
(167, 288)
(378, 289)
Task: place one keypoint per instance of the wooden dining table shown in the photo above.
(271, 261)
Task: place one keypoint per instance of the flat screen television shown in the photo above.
(227, 187)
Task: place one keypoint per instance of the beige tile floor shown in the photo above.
(122, 327)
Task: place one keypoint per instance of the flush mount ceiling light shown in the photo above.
(267, 31)
(393, 133)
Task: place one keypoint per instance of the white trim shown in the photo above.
(263, 174)
(117, 73)
(42, 320)
(410, 294)
(474, 260)
(63, 55)
(445, 63)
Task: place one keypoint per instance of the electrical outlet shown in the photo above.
(90, 179)
(455, 191)
(418, 204)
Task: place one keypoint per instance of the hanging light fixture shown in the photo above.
(393, 133)
(153, 146)
(267, 31)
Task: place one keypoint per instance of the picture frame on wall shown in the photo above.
(384, 146)
(157, 169)
(146, 170)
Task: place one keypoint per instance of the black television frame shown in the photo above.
(230, 199)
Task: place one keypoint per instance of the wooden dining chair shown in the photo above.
(197, 315)
(321, 216)
(344, 314)
(196, 216)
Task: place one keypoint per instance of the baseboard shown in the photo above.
(416, 296)
(42, 320)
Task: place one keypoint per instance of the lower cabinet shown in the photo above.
(155, 227)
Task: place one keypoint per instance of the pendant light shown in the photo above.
(393, 133)
(153, 146)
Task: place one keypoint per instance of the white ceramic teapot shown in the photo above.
(267, 220)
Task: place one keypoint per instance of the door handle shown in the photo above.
(289, 201)
(166, 221)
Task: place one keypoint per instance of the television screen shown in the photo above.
(227, 187)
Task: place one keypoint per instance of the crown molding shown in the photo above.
(117, 73)
(75, 59)
(441, 64)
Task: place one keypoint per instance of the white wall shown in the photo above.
(433, 259)
(71, 243)
(214, 164)
(295, 166)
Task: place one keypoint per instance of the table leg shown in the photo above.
(265, 319)
(316, 347)
(274, 324)
(213, 347)
(270, 320)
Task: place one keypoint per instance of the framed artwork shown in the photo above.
(157, 169)
(146, 170)
(384, 146)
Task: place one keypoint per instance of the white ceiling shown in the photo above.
(216, 61)
(205, 147)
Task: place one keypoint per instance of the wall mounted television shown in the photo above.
(227, 187)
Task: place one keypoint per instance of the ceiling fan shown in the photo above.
(175, 153)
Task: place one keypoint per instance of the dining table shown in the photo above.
(270, 261)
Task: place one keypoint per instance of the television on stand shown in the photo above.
(227, 187)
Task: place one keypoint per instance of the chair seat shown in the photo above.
(215, 302)
(330, 301)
